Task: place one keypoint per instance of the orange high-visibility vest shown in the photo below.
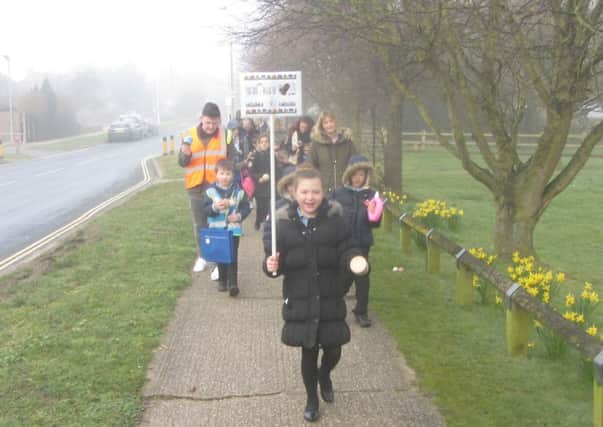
(202, 167)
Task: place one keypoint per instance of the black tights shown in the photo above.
(310, 371)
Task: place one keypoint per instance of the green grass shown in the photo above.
(170, 167)
(73, 143)
(76, 339)
(459, 354)
(572, 218)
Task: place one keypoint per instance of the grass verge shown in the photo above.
(73, 143)
(77, 337)
(459, 354)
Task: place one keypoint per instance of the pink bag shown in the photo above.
(375, 208)
(248, 185)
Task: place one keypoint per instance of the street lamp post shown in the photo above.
(157, 115)
(10, 100)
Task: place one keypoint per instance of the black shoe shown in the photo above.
(326, 389)
(311, 414)
(233, 291)
(363, 320)
(222, 287)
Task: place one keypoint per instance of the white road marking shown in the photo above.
(49, 172)
(2, 184)
(7, 262)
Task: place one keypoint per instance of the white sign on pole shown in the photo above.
(274, 93)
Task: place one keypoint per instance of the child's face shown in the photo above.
(303, 127)
(358, 178)
(224, 177)
(262, 144)
(309, 195)
(291, 191)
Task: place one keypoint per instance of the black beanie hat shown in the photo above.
(210, 110)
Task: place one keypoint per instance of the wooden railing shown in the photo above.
(520, 306)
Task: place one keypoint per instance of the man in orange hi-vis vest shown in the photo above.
(201, 148)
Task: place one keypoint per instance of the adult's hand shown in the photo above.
(186, 149)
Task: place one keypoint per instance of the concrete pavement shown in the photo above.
(221, 363)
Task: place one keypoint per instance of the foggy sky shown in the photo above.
(60, 35)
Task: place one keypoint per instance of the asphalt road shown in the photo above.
(41, 195)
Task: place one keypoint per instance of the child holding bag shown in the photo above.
(226, 207)
(356, 198)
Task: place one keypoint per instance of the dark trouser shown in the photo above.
(261, 209)
(196, 196)
(229, 272)
(362, 285)
(311, 373)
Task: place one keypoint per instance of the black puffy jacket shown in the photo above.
(315, 263)
(356, 215)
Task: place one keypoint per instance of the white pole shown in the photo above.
(272, 187)
(10, 101)
(231, 112)
(157, 116)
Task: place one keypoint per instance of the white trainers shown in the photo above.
(199, 265)
(215, 274)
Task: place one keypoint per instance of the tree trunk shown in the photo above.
(392, 157)
(514, 228)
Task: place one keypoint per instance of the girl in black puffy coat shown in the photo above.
(316, 257)
(353, 197)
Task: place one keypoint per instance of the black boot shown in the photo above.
(311, 412)
(326, 387)
(233, 288)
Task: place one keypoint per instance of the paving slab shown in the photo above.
(221, 363)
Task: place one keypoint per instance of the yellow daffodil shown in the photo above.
(592, 330)
(570, 315)
(570, 300)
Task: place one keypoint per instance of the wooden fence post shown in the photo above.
(598, 390)
(433, 255)
(597, 404)
(518, 325)
(464, 281)
(405, 237)
(387, 220)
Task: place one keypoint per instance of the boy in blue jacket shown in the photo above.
(226, 206)
(354, 196)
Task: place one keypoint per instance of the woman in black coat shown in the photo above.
(313, 254)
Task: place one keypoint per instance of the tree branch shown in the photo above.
(575, 165)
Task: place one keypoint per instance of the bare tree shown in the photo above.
(487, 58)
(341, 73)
